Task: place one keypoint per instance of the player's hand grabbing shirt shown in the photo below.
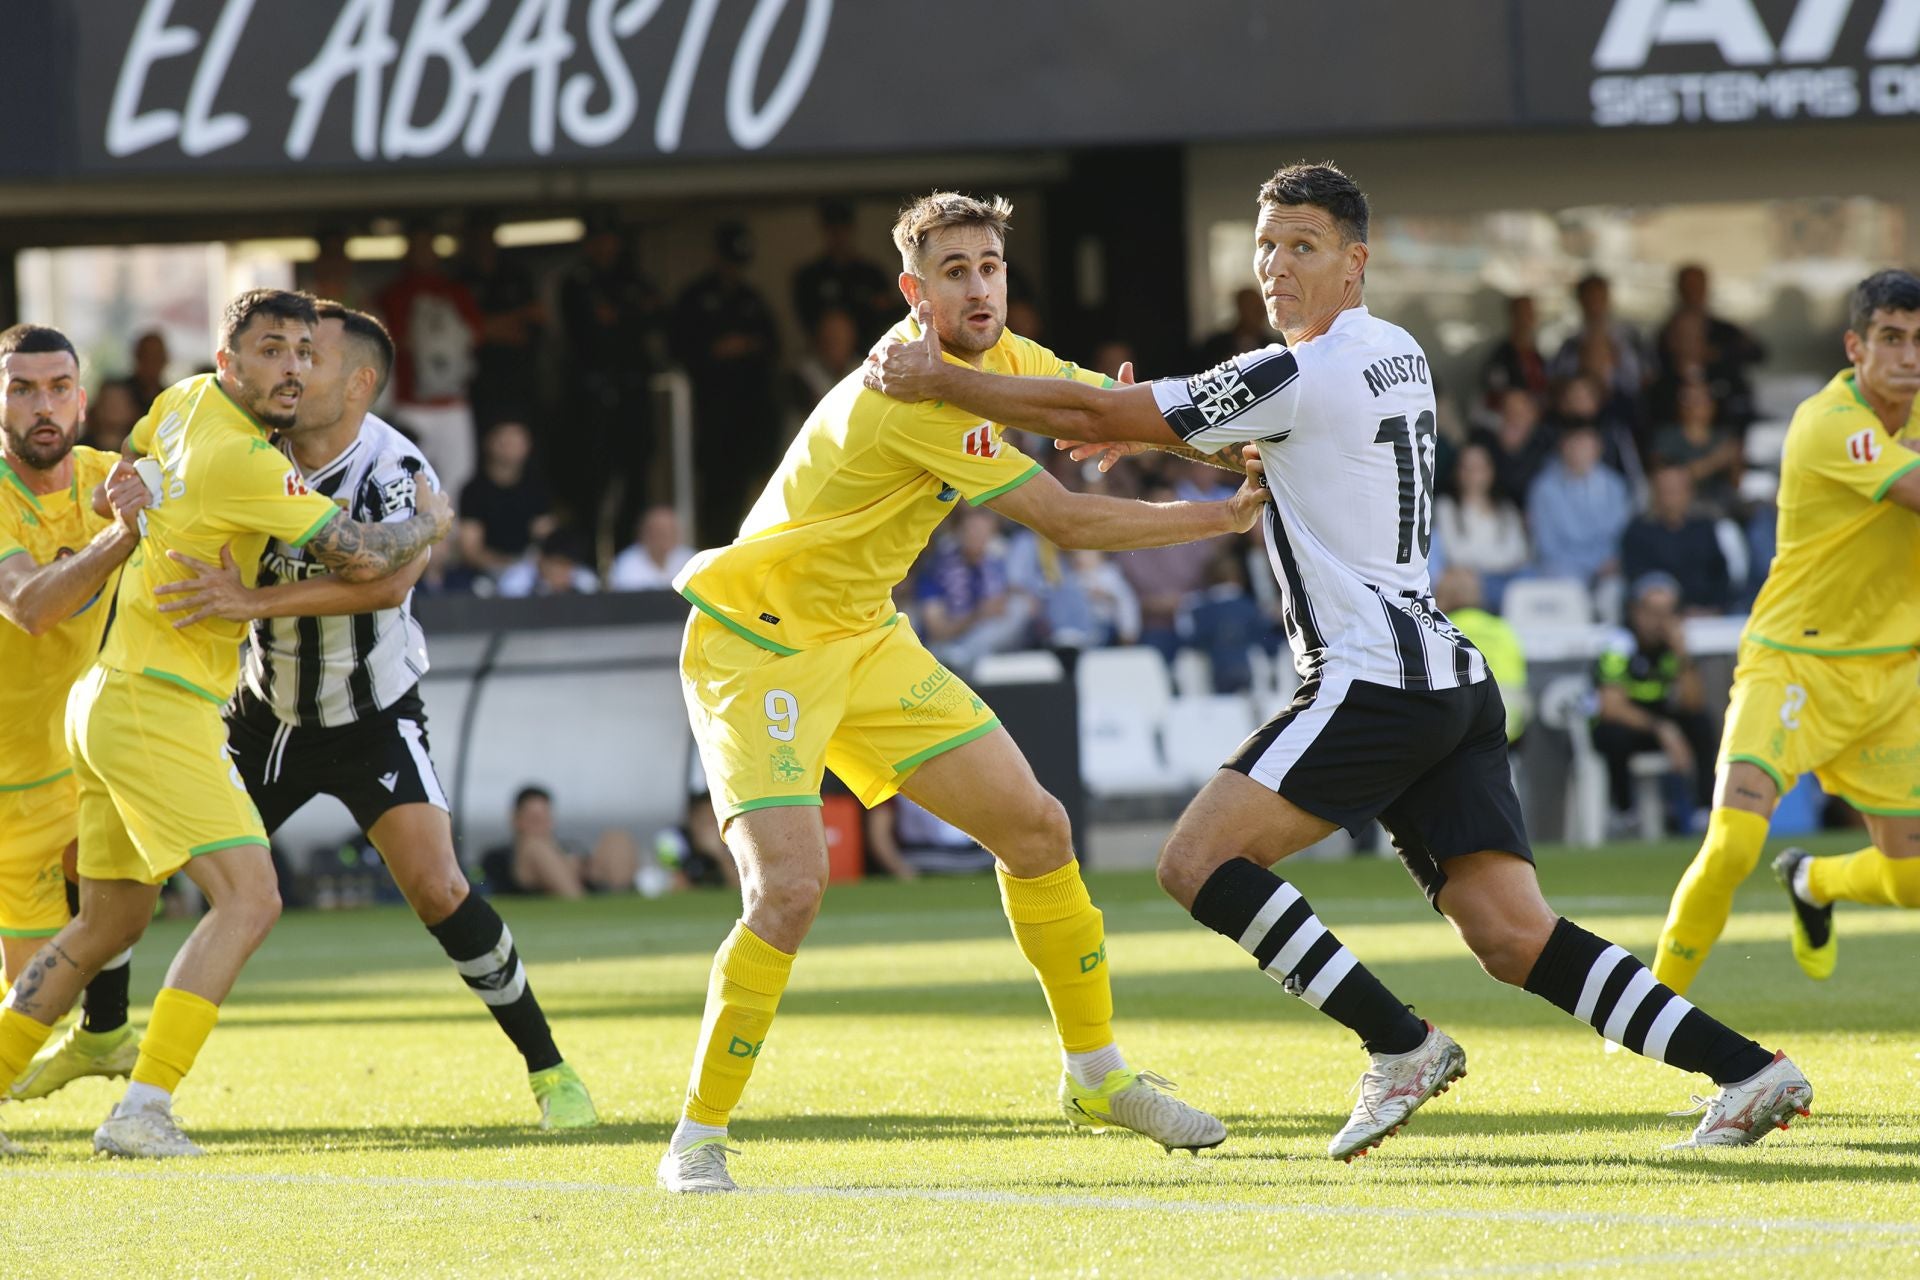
(223, 484)
(1842, 576)
(861, 489)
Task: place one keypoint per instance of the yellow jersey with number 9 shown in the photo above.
(861, 489)
(37, 671)
(1842, 577)
(223, 484)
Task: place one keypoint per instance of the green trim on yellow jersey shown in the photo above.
(774, 802)
(1853, 384)
(919, 758)
(1879, 812)
(216, 846)
(13, 551)
(1881, 492)
(1831, 653)
(28, 933)
(1008, 487)
(318, 525)
(28, 786)
(244, 412)
(1771, 770)
(188, 685)
(8, 474)
(735, 627)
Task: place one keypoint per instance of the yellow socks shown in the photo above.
(20, 1038)
(180, 1024)
(1061, 934)
(748, 976)
(1704, 897)
(1868, 876)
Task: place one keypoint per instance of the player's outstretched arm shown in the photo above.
(359, 552)
(38, 597)
(218, 591)
(1058, 407)
(1094, 522)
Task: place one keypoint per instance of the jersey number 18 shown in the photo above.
(1410, 450)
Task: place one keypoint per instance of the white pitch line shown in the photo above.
(1561, 1266)
(1015, 1199)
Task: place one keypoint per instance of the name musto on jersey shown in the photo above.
(1345, 427)
(322, 672)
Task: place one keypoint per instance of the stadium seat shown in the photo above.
(1565, 704)
(1649, 806)
(1202, 730)
(1546, 602)
(1124, 695)
(1192, 673)
(1777, 395)
(1764, 443)
(1024, 666)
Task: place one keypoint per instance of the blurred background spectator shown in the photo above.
(149, 376)
(841, 280)
(1695, 345)
(561, 566)
(504, 510)
(723, 332)
(1518, 444)
(1709, 453)
(1603, 344)
(506, 365)
(1577, 510)
(1478, 527)
(1081, 601)
(967, 606)
(111, 414)
(436, 327)
(1675, 541)
(1650, 699)
(907, 842)
(537, 863)
(1224, 621)
(1163, 577)
(1458, 593)
(833, 352)
(1515, 363)
(1248, 332)
(614, 323)
(694, 851)
(1579, 403)
(656, 555)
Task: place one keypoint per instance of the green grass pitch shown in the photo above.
(365, 1118)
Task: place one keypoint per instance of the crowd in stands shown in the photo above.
(1606, 459)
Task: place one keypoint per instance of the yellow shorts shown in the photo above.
(1852, 722)
(36, 825)
(156, 786)
(872, 708)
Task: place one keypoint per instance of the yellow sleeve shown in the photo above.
(963, 451)
(1849, 446)
(261, 492)
(1031, 360)
(140, 439)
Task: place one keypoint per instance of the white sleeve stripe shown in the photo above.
(1225, 392)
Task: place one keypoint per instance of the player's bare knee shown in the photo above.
(1038, 840)
(1184, 865)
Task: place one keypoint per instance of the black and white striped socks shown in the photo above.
(481, 947)
(1605, 987)
(1271, 920)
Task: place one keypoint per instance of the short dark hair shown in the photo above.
(365, 330)
(279, 304)
(35, 339)
(531, 792)
(1323, 186)
(1891, 290)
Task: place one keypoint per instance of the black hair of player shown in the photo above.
(366, 330)
(525, 794)
(1324, 187)
(276, 304)
(1891, 290)
(35, 339)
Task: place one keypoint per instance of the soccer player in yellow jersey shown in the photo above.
(1826, 679)
(795, 661)
(157, 792)
(58, 559)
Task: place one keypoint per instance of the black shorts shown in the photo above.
(1431, 765)
(371, 765)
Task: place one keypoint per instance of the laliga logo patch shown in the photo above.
(1864, 446)
(296, 485)
(980, 442)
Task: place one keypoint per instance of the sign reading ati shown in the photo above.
(1683, 62)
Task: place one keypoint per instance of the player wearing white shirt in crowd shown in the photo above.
(1396, 718)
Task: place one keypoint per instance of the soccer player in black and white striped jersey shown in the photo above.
(328, 702)
(1396, 718)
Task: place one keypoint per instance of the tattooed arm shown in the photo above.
(1230, 458)
(357, 552)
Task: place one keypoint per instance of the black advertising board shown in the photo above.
(264, 86)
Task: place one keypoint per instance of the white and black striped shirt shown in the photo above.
(1345, 425)
(323, 672)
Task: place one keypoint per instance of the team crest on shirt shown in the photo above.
(1220, 393)
(980, 442)
(1864, 446)
(397, 494)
